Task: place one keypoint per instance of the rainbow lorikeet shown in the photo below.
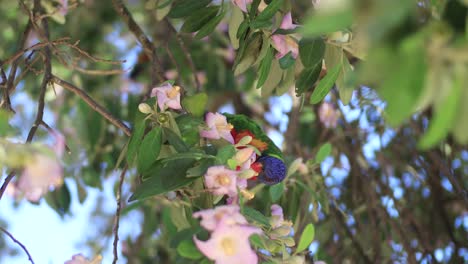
(270, 165)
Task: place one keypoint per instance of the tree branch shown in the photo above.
(6, 103)
(93, 104)
(117, 215)
(148, 46)
(356, 243)
(19, 243)
(6, 182)
(45, 79)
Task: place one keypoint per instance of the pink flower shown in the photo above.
(283, 43)
(224, 214)
(218, 127)
(277, 217)
(63, 9)
(242, 4)
(168, 96)
(221, 181)
(80, 259)
(229, 245)
(42, 172)
(245, 157)
(328, 115)
(287, 23)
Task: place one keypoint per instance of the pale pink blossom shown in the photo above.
(229, 245)
(221, 181)
(224, 214)
(80, 259)
(42, 172)
(242, 4)
(277, 217)
(245, 157)
(218, 127)
(63, 9)
(328, 115)
(284, 43)
(168, 96)
(287, 23)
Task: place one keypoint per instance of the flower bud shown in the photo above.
(244, 141)
(145, 108)
(288, 241)
(281, 231)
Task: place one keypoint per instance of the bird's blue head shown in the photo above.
(273, 170)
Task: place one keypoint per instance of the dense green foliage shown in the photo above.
(378, 119)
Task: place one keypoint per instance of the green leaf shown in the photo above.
(163, 177)
(266, 45)
(187, 249)
(225, 153)
(163, 10)
(185, 234)
(307, 79)
(195, 104)
(306, 238)
(135, 140)
(276, 191)
(237, 17)
(264, 68)
(183, 8)
(5, 128)
(267, 14)
(188, 125)
(256, 240)
(287, 61)
(199, 18)
(178, 216)
(210, 26)
(325, 85)
(255, 216)
(461, 126)
(59, 199)
(403, 85)
(149, 149)
(174, 140)
(200, 168)
(323, 152)
(311, 51)
(327, 22)
(343, 83)
(444, 116)
(273, 79)
(333, 56)
(287, 81)
(252, 50)
(243, 27)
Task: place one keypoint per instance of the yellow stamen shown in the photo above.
(224, 180)
(228, 246)
(173, 92)
(247, 195)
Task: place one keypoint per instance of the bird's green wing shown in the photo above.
(243, 123)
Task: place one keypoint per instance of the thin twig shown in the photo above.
(45, 79)
(93, 104)
(117, 214)
(34, 47)
(6, 182)
(148, 46)
(6, 103)
(52, 131)
(187, 55)
(19, 243)
(174, 61)
(348, 232)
